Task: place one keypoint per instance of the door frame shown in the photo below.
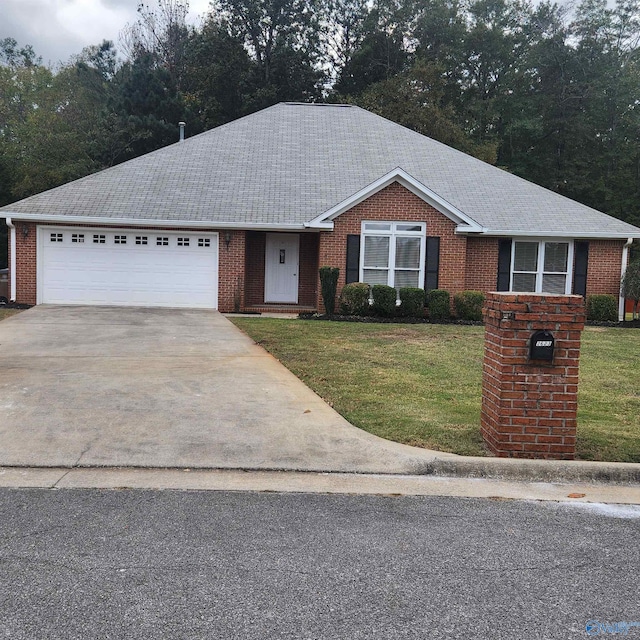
(268, 298)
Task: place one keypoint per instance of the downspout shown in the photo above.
(623, 270)
(12, 266)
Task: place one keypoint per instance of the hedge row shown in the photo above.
(359, 299)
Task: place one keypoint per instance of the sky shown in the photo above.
(58, 29)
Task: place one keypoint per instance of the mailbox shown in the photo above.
(541, 346)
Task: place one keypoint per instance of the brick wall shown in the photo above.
(529, 407)
(254, 262)
(605, 264)
(307, 275)
(231, 272)
(482, 256)
(396, 203)
(231, 263)
(26, 266)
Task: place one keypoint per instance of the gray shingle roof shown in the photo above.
(290, 163)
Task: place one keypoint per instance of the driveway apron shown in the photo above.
(138, 387)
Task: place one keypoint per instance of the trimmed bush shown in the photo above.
(468, 305)
(384, 300)
(602, 308)
(329, 286)
(411, 302)
(439, 304)
(354, 299)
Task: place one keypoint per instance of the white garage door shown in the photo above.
(127, 268)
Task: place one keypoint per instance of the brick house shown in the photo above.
(241, 218)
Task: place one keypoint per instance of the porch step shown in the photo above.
(278, 308)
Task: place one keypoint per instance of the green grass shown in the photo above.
(6, 313)
(421, 384)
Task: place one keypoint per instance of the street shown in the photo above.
(195, 564)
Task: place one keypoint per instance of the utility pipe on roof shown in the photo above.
(12, 265)
(182, 125)
(623, 270)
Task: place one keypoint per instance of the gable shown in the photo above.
(409, 184)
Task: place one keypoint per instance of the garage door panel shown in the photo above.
(118, 268)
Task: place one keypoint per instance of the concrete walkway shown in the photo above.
(122, 387)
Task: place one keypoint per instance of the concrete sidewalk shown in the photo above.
(84, 387)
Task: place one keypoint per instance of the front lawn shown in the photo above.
(421, 384)
(6, 313)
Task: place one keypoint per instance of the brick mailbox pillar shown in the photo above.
(530, 396)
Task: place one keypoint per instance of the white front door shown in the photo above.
(281, 267)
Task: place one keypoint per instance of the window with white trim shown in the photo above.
(393, 253)
(541, 266)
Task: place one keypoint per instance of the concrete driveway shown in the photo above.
(96, 386)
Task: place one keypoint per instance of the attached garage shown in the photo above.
(127, 267)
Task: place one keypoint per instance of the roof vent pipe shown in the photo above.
(181, 125)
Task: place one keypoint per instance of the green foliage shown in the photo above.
(602, 308)
(329, 286)
(516, 84)
(412, 301)
(439, 304)
(384, 300)
(631, 284)
(468, 305)
(354, 299)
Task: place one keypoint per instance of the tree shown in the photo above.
(144, 109)
(283, 39)
(218, 75)
(416, 99)
(380, 53)
(160, 36)
(631, 286)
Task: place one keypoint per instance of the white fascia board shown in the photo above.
(589, 235)
(133, 222)
(465, 223)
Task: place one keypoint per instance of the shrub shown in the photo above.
(468, 305)
(411, 302)
(602, 308)
(329, 286)
(354, 299)
(439, 304)
(384, 300)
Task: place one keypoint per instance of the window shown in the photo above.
(142, 240)
(393, 253)
(183, 242)
(120, 240)
(541, 266)
(56, 237)
(204, 242)
(77, 237)
(99, 239)
(162, 241)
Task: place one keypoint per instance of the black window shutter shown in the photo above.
(353, 258)
(432, 263)
(580, 262)
(504, 264)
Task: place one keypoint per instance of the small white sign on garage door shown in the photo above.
(125, 267)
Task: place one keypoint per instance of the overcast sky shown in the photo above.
(58, 29)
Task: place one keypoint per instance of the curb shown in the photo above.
(537, 470)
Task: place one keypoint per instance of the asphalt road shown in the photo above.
(169, 564)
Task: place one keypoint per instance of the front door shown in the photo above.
(281, 267)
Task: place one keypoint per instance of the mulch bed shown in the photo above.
(629, 324)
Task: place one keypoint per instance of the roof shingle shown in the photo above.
(288, 164)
